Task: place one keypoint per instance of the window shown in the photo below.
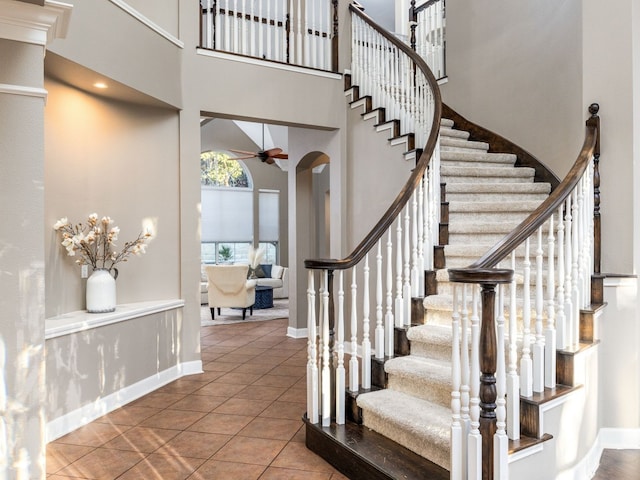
(217, 169)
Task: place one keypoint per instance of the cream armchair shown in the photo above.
(228, 287)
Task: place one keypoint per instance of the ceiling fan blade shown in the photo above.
(273, 151)
(244, 152)
(242, 158)
(283, 156)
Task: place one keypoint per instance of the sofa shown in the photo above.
(275, 276)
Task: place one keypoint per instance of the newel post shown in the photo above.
(597, 288)
(488, 279)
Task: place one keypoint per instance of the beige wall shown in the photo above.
(119, 160)
(84, 368)
(516, 68)
(22, 257)
(164, 13)
(104, 38)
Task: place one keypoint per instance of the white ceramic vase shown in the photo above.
(101, 292)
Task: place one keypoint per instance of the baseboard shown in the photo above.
(297, 332)
(610, 438)
(73, 420)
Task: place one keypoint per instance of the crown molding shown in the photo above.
(29, 23)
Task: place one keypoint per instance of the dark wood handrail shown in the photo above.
(540, 215)
(405, 194)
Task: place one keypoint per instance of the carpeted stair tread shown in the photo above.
(467, 157)
(431, 341)
(425, 378)
(515, 206)
(420, 426)
(446, 122)
(482, 171)
(450, 142)
(521, 188)
(453, 133)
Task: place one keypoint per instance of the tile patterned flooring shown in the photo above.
(239, 420)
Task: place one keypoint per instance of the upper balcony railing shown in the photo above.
(428, 25)
(295, 32)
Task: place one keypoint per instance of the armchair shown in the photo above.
(228, 287)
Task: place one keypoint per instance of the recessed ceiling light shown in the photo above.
(100, 85)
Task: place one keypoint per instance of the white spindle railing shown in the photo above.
(383, 69)
(559, 236)
(288, 31)
(428, 27)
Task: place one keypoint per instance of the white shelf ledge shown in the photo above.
(81, 320)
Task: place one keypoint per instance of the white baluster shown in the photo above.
(500, 440)
(526, 366)
(561, 320)
(421, 267)
(299, 41)
(326, 357)
(474, 442)
(340, 372)
(276, 35)
(538, 348)
(312, 353)
(253, 41)
(457, 455)
(366, 342)
(406, 287)
(575, 274)
(550, 331)
(379, 339)
(236, 27)
(415, 282)
(568, 284)
(389, 323)
(399, 302)
(261, 30)
(354, 381)
(513, 380)
(465, 373)
(269, 32)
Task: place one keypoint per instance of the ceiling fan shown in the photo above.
(266, 156)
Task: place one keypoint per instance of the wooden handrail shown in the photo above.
(405, 194)
(540, 215)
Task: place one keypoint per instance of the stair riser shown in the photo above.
(495, 197)
(488, 179)
(516, 217)
(467, 163)
(422, 445)
(431, 391)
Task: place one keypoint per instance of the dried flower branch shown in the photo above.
(94, 242)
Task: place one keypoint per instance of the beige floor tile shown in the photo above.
(93, 435)
(275, 473)
(173, 419)
(163, 467)
(287, 410)
(199, 403)
(256, 451)
(221, 423)
(275, 428)
(258, 392)
(296, 456)
(194, 444)
(60, 455)
(243, 406)
(128, 415)
(217, 470)
(142, 439)
(102, 464)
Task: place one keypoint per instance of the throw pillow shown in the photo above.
(259, 272)
(266, 268)
(277, 271)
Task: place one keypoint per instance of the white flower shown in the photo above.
(63, 222)
(93, 219)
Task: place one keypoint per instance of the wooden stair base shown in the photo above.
(362, 454)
